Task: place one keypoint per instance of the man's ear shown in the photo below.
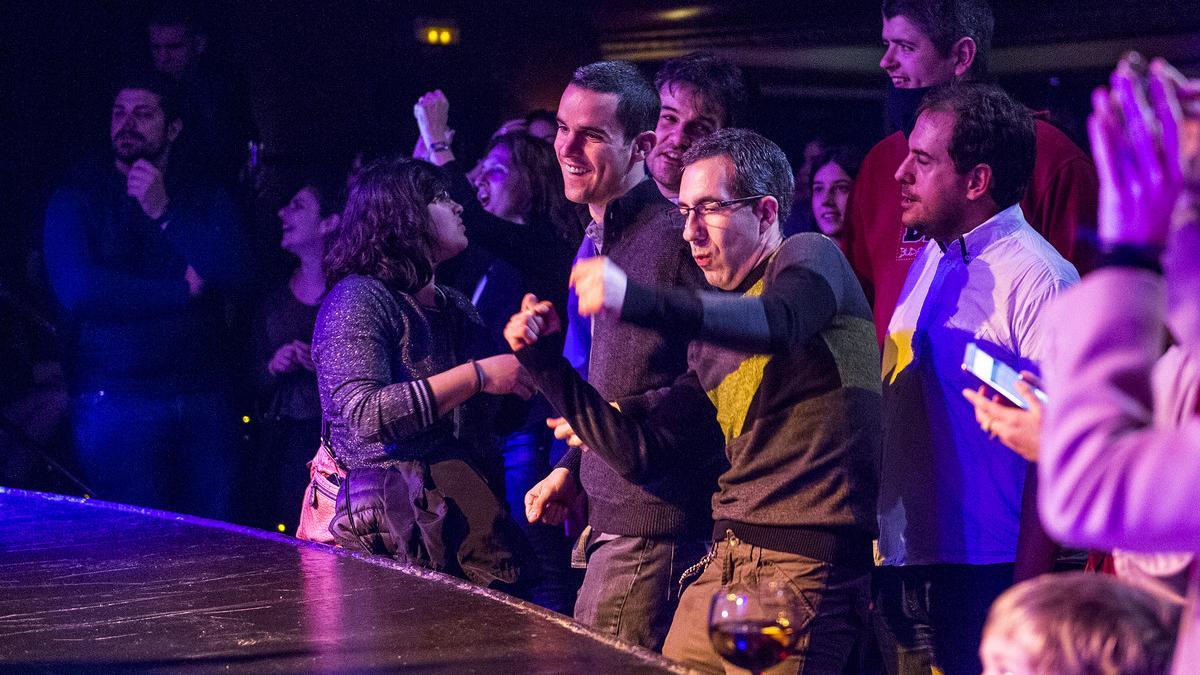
(768, 213)
(979, 182)
(963, 53)
(173, 129)
(643, 143)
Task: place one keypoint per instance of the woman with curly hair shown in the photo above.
(395, 355)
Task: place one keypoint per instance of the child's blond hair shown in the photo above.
(1086, 624)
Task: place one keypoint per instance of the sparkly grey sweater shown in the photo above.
(374, 349)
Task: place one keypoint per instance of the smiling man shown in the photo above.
(700, 93)
(782, 370)
(643, 531)
(928, 43)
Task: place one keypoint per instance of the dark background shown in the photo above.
(327, 78)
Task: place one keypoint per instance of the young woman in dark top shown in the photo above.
(514, 206)
(288, 410)
(524, 234)
(400, 361)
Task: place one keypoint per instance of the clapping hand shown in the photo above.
(290, 357)
(1135, 133)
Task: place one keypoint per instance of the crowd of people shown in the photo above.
(633, 356)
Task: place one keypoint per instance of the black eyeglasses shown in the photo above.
(705, 209)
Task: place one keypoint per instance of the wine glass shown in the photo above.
(754, 625)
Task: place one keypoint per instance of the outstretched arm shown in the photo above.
(638, 440)
(798, 304)
(354, 370)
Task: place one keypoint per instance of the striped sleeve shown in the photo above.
(423, 403)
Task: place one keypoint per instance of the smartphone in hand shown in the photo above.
(998, 375)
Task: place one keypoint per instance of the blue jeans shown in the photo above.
(527, 461)
(175, 452)
(631, 586)
(933, 615)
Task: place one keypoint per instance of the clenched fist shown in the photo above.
(600, 285)
(537, 319)
(432, 112)
(145, 184)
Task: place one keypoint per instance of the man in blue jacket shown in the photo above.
(139, 255)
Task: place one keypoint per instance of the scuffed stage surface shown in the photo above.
(89, 586)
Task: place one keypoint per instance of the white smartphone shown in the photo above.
(998, 375)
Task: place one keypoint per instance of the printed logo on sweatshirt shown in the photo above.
(911, 243)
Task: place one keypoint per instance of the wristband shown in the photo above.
(439, 146)
(478, 376)
(1131, 255)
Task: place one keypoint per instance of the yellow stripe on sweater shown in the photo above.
(732, 397)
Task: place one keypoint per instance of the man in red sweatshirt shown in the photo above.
(929, 43)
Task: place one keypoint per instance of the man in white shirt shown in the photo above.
(951, 498)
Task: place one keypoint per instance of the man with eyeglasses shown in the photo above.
(782, 367)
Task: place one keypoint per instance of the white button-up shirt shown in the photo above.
(949, 494)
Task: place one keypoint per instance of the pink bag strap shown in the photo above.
(327, 446)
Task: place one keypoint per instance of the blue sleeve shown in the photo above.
(83, 286)
(207, 232)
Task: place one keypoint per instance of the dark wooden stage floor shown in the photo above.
(96, 587)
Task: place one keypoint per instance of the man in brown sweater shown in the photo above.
(783, 367)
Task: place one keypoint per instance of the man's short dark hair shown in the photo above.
(759, 166)
(714, 77)
(174, 13)
(637, 100)
(945, 22)
(164, 87)
(989, 128)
